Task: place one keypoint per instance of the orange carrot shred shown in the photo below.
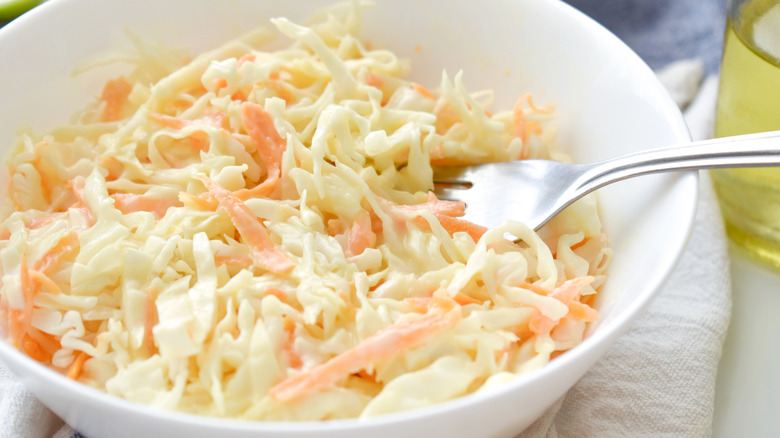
(242, 261)
(583, 311)
(580, 244)
(150, 319)
(270, 146)
(541, 324)
(54, 256)
(378, 347)
(278, 293)
(438, 206)
(249, 57)
(131, 202)
(422, 90)
(360, 236)
(521, 130)
(464, 299)
(374, 80)
(77, 186)
(74, 370)
(455, 225)
(536, 289)
(219, 83)
(566, 293)
(34, 349)
(45, 281)
(114, 96)
(418, 304)
(288, 346)
(264, 253)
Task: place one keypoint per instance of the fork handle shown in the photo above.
(750, 150)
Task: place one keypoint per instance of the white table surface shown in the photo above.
(747, 393)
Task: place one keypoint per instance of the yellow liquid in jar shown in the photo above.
(749, 101)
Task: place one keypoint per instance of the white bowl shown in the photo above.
(609, 102)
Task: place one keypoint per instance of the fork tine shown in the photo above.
(449, 193)
(451, 183)
(451, 175)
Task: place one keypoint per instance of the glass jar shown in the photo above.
(749, 101)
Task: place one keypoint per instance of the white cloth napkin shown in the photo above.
(658, 380)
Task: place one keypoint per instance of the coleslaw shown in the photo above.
(251, 234)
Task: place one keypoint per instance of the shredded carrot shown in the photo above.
(42, 279)
(113, 166)
(437, 152)
(46, 173)
(360, 236)
(374, 80)
(198, 201)
(24, 316)
(74, 370)
(114, 96)
(524, 128)
(580, 244)
(169, 121)
(570, 289)
(34, 349)
(288, 346)
(54, 256)
(335, 227)
(446, 212)
(77, 185)
(16, 327)
(418, 304)
(520, 126)
(233, 260)
(249, 57)
(463, 299)
(212, 117)
(541, 324)
(39, 222)
(240, 95)
(283, 91)
(260, 127)
(566, 293)
(264, 253)
(382, 345)
(536, 289)
(350, 308)
(199, 141)
(150, 319)
(219, 83)
(131, 202)
(268, 144)
(23, 335)
(437, 206)
(455, 225)
(547, 109)
(422, 90)
(500, 354)
(582, 312)
(278, 293)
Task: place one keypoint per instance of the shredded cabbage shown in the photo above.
(252, 234)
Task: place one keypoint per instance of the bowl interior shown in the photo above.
(609, 104)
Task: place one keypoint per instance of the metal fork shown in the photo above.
(534, 191)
